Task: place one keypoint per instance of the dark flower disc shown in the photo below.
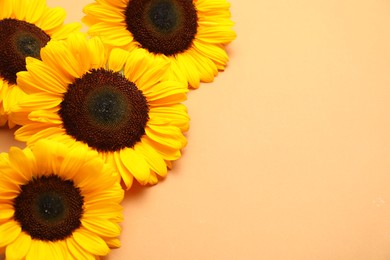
(49, 208)
(162, 26)
(18, 40)
(104, 110)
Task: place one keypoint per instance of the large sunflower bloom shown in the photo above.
(117, 104)
(58, 203)
(25, 27)
(192, 34)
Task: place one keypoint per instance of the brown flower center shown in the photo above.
(104, 110)
(18, 40)
(162, 26)
(49, 208)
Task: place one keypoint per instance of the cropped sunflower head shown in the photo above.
(117, 104)
(25, 27)
(192, 34)
(58, 203)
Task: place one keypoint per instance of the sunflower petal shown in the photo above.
(9, 231)
(19, 248)
(155, 161)
(6, 9)
(136, 164)
(117, 59)
(91, 242)
(101, 227)
(78, 251)
(20, 162)
(34, 10)
(65, 30)
(52, 19)
(126, 175)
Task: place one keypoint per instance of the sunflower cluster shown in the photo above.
(97, 111)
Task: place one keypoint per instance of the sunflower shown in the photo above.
(58, 203)
(115, 103)
(25, 27)
(191, 34)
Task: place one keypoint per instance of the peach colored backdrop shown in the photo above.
(289, 149)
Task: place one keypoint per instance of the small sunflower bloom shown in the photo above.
(191, 34)
(115, 103)
(25, 27)
(58, 203)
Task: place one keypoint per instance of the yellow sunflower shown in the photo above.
(115, 103)
(58, 203)
(25, 27)
(191, 34)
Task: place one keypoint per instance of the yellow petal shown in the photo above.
(152, 178)
(166, 135)
(39, 101)
(6, 9)
(28, 130)
(171, 90)
(77, 44)
(101, 227)
(72, 163)
(99, 57)
(77, 250)
(44, 116)
(50, 132)
(20, 162)
(155, 161)
(65, 30)
(126, 175)
(45, 250)
(113, 34)
(192, 74)
(34, 10)
(19, 9)
(57, 56)
(104, 14)
(45, 78)
(136, 164)
(208, 6)
(216, 35)
(166, 152)
(9, 232)
(119, 4)
(91, 242)
(19, 248)
(139, 62)
(113, 243)
(173, 115)
(213, 52)
(52, 19)
(117, 59)
(110, 210)
(206, 67)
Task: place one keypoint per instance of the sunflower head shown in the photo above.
(192, 34)
(57, 202)
(25, 28)
(116, 103)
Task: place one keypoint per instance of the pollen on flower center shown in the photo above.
(18, 40)
(162, 26)
(104, 110)
(49, 208)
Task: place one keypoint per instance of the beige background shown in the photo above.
(289, 149)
